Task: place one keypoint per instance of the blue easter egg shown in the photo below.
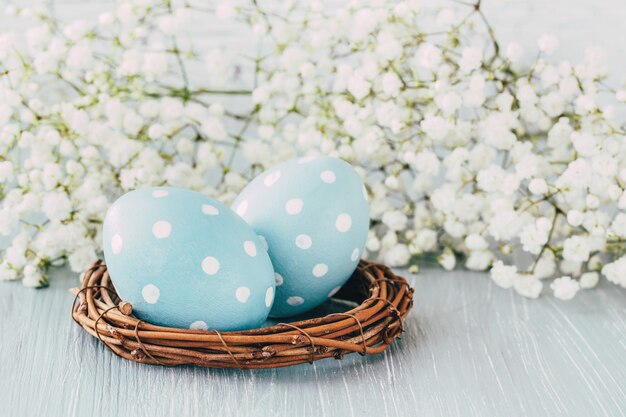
(185, 260)
(314, 216)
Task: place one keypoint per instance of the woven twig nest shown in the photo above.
(384, 301)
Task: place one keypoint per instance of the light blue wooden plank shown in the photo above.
(470, 349)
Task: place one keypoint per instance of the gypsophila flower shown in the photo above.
(528, 286)
(503, 275)
(616, 271)
(447, 260)
(541, 171)
(589, 280)
(468, 152)
(565, 288)
(575, 249)
(91, 109)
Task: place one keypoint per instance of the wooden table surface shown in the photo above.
(470, 349)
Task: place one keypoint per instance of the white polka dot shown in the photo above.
(210, 265)
(306, 159)
(295, 300)
(328, 177)
(355, 255)
(116, 243)
(242, 294)
(271, 178)
(210, 210)
(294, 206)
(264, 242)
(151, 293)
(365, 193)
(161, 229)
(198, 325)
(343, 222)
(249, 247)
(269, 297)
(334, 291)
(320, 270)
(278, 278)
(242, 208)
(303, 241)
(159, 193)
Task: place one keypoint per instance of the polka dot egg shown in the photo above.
(185, 260)
(313, 215)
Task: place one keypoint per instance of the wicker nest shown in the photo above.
(384, 301)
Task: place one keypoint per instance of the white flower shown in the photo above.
(226, 10)
(576, 249)
(106, 19)
(6, 171)
(32, 276)
(155, 63)
(395, 220)
(398, 255)
(548, 43)
(447, 260)
(446, 17)
(615, 271)
(427, 56)
(565, 288)
(427, 163)
(391, 84)
(585, 143)
(527, 286)
(503, 275)
(589, 280)
(214, 129)
(479, 260)
(358, 86)
(82, 257)
(619, 225)
(387, 46)
(131, 63)
(514, 52)
(373, 244)
(7, 273)
(575, 218)
(76, 30)
(435, 127)
(426, 240)
(533, 237)
(80, 57)
(471, 59)
(475, 242)
(490, 178)
(538, 186)
(584, 104)
(365, 20)
(8, 221)
(449, 102)
(56, 206)
(545, 266)
(505, 224)
(460, 153)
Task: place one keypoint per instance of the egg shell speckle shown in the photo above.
(185, 260)
(314, 215)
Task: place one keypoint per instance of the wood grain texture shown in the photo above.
(470, 349)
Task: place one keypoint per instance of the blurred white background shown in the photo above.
(578, 24)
